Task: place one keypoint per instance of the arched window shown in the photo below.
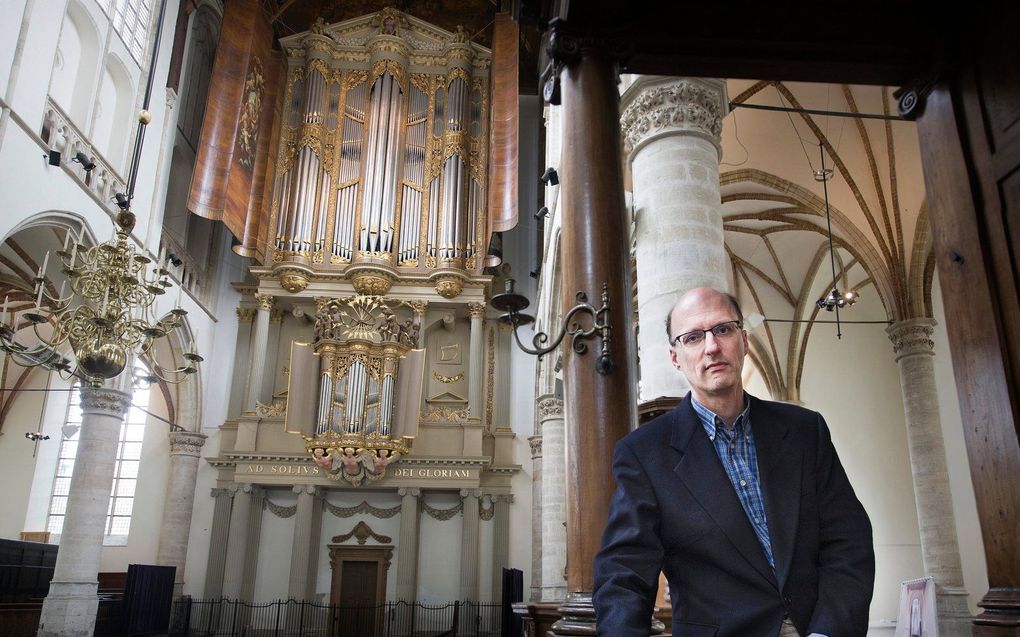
(129, 453)
(74, 71)
(131, 22)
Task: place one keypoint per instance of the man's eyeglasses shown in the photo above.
(697, 337)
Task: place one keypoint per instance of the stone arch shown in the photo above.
(112, 122)
(75, 64)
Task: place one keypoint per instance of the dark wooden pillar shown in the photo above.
(970, 147)
(595, 251)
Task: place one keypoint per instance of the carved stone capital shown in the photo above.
(276, 315)
(912, 337)
(550, 407)
(654, 107)
(245, 314)
(186, 443)
(102, 401)
(419, 307)
(536, 447)
(477, 310)
(309, 489)
(264, 301)
(411, 491)
(220, 493)
(472, 493)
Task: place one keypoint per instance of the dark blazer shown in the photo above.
(675, 510)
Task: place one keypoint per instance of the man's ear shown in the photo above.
(673, 357)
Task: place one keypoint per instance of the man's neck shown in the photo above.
(727, 406)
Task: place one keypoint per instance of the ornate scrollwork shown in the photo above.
(441, 514)
(364, 507)
(448, 379)
(362, 532)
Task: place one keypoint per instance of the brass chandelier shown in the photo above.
(107, 317)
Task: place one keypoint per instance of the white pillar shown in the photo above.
(243, 542)
(71, 604)
(671, 128)
(407, 564)
(476, 353)
(915, 356)
(500, 541)
(218, 535)
(469, 546)
(554, 500)
(259, 349)
(185, 449)
(300, 551)
(536, 517)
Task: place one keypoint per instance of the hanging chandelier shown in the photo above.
(835, 299)
(108, 316)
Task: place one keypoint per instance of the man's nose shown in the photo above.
(711, 342)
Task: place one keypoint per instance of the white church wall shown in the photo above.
(968, 529)
(10, 29)
(854, 383)
(272, 578)
(439, 553)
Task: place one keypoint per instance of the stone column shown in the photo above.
(536, 516)
(185, 449)
(419, 308)
(272, 354)
(500, 541)
(476, 353)
(915, 355)
(242, 352)
(469, 546)
(243, 542)
(71, 604)
(554, 499)
(259, 349)
(407, 565)
(301, 548)
(217, 540)
(671, 129)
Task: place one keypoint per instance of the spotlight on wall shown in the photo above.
(550, 178)
(35, 436)
(542, 213)
(53, 157)
(174, 260)
(84, 160)
(122, 201)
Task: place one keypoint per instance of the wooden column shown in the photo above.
(971, 154)
(599, 408)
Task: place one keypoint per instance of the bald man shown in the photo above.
(741, 502)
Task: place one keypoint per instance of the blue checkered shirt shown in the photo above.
(735, 448)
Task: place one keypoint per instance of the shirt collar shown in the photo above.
(711, 421)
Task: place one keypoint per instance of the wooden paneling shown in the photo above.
(503, 135)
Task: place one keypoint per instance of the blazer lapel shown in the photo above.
(779, 472)
(702, 473)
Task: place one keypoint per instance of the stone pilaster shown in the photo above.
(242, 353)
(243, 542)
(469, 546)
(536, 517)
(476, 353)
(259, 352)
(185, 449)
(671, 128)
(554, 499)
(500, 541)
(71, 604)
(915, 356)
(217, 540)
(407, 565)
(301, 549)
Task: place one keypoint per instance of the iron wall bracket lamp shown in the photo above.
(512, 305)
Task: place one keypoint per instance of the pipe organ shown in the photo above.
(383, 149)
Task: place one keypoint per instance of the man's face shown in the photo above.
(712, 367)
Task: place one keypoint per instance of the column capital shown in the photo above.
(502, 497)
(473, 493)
(536, 447)
(103, 401)
(912, 337)
(309, 489)
(276, 315)
(264, 301)
(477, 310)
(654, 106)
(411, 491)
(245, 314)
(217, 492)
(186, 443)
(550, 407)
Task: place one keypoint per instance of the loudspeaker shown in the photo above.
(54, 157)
